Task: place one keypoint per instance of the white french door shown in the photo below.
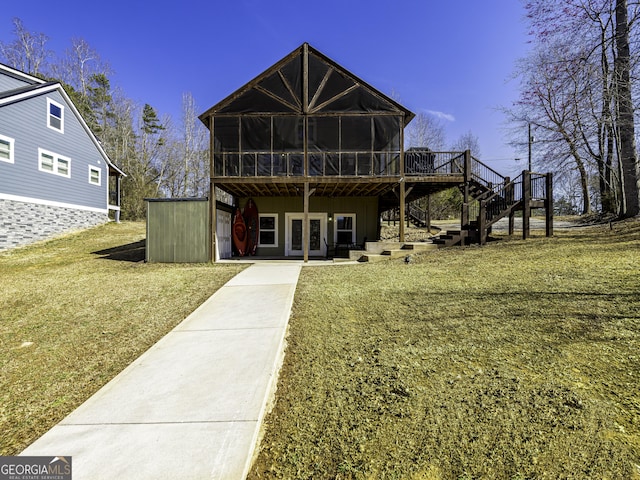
(294, 234)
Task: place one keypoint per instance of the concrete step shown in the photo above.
(396, 253)
(419, 246)
(379, 247)
(373, 257)
(342, 260)
(356, 254)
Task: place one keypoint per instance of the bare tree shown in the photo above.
(577, 89)
(426, 131)
(467, 141)
(196, 163)
(79, 64)
(28, 51)
(186, 158)
(628, 159)
(549, 102)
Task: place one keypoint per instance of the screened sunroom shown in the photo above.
(305, 117)
(319, 151)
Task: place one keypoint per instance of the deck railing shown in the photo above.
(538, 186)
(426, 163)
(291, 164)
(339, 164)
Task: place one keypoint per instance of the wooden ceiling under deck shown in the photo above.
(336, 186)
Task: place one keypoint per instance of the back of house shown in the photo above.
(54, 174)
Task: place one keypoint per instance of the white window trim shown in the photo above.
(56, 158)
(99, 170)
(11, 141)
(335, 226)
(275, 230)
(62, 115)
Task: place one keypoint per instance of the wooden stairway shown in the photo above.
(487, 197)
(381, 251)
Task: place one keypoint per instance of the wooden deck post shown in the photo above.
(512, 222)
(403, 194)
(402, 199)
(526, 203)
(482, 223)
(213, 220)
(466, 197)
(548, 205)
(428, 219)
(305, 224)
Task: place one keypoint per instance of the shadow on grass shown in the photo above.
(131, 252)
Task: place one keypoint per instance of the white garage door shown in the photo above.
(223, 230)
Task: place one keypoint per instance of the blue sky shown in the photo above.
(454, 57)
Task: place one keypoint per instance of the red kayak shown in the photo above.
(251, 222)
(239, 233)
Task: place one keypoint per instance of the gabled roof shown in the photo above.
(17, 93)
(306, 81)
(25, 77)
(24, 93)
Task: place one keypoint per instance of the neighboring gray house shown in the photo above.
(54, 174)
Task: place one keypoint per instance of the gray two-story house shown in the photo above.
(54, 174)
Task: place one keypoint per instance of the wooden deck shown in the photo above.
(487, 195)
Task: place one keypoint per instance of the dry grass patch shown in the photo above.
(75, 311)
(516, 360)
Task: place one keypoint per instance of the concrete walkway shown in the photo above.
(191, 406)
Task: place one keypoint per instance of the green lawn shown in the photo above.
(518, 360)
(75, 311)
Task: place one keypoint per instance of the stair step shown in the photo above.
(356, 254)
(394, 253)
(342, 260)
(418, 246)
(373, 257)
(447, 240)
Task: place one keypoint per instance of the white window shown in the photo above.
(344, 228)
(6, 149)
(55, 116)
(268, 230)
(54, 163)
(95, 175)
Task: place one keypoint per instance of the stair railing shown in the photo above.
(498, 205)
(417, 214)
(485, 175)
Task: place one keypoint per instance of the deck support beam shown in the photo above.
(466, 198)
(403, 196)
(548, 205)
(306, 226)
(526, 203)
(403, 193)
(213, 220)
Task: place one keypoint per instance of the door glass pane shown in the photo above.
(296, 234)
